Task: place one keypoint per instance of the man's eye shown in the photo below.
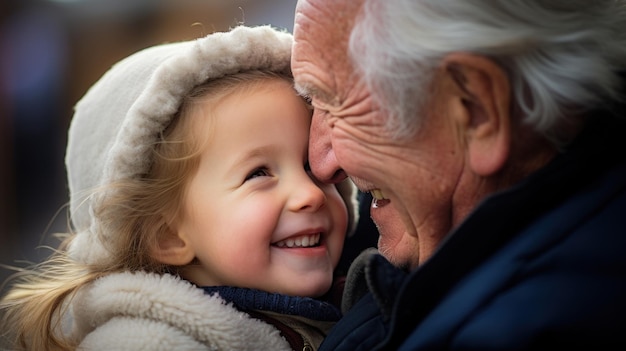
(258, 172)
(307, 169)
(321, 113)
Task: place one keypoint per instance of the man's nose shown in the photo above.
(322, 158)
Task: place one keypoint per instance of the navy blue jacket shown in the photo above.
(538, 266)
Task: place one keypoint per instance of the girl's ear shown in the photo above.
(172, 249)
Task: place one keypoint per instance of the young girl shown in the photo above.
(198, 224)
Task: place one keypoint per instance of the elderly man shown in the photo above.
(490, 134)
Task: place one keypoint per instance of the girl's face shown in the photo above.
(252, 213)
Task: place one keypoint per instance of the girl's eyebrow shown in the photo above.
(251, 154)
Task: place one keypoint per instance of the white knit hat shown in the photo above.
(117, 122)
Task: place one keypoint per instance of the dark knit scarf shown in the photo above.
(252, 299)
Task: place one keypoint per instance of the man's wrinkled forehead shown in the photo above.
(320, 62)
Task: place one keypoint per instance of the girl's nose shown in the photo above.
(306, 195)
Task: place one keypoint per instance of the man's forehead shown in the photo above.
(320, 62)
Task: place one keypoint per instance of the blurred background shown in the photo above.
(51, 52)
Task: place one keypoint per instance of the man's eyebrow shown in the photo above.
(311, 91)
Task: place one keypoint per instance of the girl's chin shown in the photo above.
(310, 290)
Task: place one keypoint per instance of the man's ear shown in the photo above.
(484, 93)
(172, 248)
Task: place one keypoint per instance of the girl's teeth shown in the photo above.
(301, 241)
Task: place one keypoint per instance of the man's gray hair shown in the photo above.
(563, 57)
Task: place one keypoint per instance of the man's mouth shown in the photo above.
(378, 198)
(377, 194)
(310, 240)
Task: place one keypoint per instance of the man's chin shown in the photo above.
(398, 260)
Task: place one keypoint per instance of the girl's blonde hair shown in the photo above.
(139, 214)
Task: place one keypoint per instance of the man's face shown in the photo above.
(416, 176)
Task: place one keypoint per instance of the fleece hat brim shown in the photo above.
(119, 119)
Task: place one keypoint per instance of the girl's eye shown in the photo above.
(258, 172)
